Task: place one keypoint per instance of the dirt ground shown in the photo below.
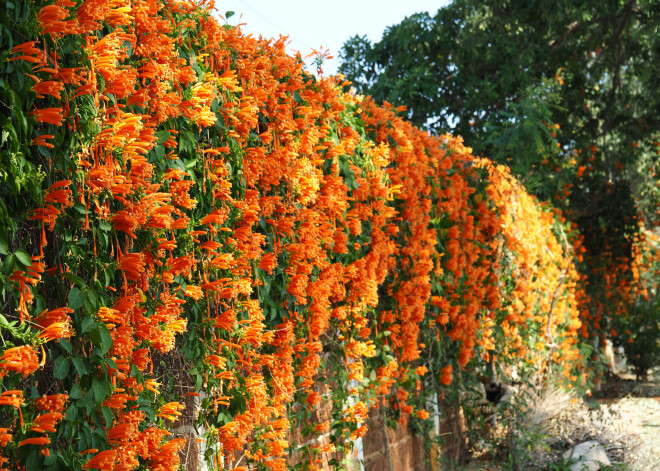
(639, 402)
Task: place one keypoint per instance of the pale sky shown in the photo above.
(312, 24)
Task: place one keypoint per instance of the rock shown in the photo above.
(589, 456)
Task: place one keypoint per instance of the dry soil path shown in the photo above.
(640, 402)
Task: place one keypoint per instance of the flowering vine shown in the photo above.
(202, 233)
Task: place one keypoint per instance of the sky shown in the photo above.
(312, 24)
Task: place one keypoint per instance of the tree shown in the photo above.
(565, 93)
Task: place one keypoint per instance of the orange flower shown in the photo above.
(48, 214)
(132, 264)
(56, 331)
(118, 400)
(104, 460)
(268, 262)
(445, 375)
(28, 53)
(194, 292)
(170, 411)
(141, 358)
(41, 141)
(5, 436)
(226, 320)
(313, 398)
(13, 398)
(126, 222)
(46, 422)
(26, 48)
(21, 359)
(217, 361)
(32, 277)
(51, 403)
(49, 87)
(121, 433)
(152, 385)
(57, 193)
(167, 455)
(35, 441)
(48, 115)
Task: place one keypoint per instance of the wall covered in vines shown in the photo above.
(188, 216)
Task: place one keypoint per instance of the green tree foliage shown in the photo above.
(502, 74)
(563, 92)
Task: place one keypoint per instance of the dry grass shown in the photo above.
(553, 420)
(619, 426)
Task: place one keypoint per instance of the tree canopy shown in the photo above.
(564, 92)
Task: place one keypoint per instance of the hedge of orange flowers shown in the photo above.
(193, 215)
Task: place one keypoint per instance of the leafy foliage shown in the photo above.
(637, 329)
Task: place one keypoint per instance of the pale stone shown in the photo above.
(589, 455)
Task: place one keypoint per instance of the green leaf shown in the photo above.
(100, 389)
(91, 301)
(71, 412)
(149, 412)
(96, 418)
(107, 275)
(50, 460)
(87, 401)
(162, 136)
(4, 243)
(135, 373)
(76, 392)
(23, 257)
(34, 461)
(102, 339)
(106, 338)
(85, 434)
(107, 416)
(61, 369)
(88, 324)
(76, 280)
(66, 345)
(10, 263)
(76, 298)
(110, 363)
(81, 208)
(190, 163)
(79, 365)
